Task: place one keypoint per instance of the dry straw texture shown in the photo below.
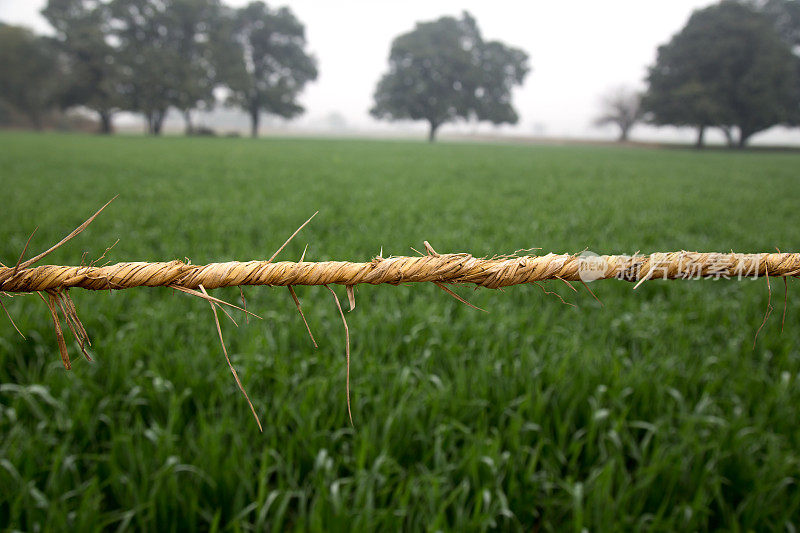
(436, 268)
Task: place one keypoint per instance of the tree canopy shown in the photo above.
(91, 77)
(726, 68)
(147, 56)
(194, 30)
(30, 66)
(785, 17)
(444, 70)
(271, 67)
(166, 48)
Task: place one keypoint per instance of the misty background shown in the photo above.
(579, 51)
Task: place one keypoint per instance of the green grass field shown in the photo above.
(653, 412)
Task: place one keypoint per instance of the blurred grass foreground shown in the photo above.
(653, 411)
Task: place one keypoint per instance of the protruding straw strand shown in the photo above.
(230, 365)
(300, 310)
(63, 241)
(292, 236)
(347, 352)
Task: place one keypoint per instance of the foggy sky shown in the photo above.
(578, 50)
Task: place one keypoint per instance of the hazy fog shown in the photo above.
(578, 49)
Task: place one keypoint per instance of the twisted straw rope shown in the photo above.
(436, 268)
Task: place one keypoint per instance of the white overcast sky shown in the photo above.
(578, 49)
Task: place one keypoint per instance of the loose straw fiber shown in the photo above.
(436, 268)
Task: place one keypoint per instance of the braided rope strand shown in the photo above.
(435, 268)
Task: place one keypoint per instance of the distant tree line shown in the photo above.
(147, 56)
(734, 66)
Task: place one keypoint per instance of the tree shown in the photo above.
(785, 18)
(686, 103)
(622, 108)
(271, 65)
(193, 28)
(444, 70)
(726, 68)
(92, 70)
(30, 69)
(168, 52)
(148, 62)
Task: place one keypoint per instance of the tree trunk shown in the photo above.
(153, 126)
(744, 136)
(701, 134)
(728, 131)
(187, 119)
(624, 130)
(106, 127)
(255, 115)
(432, 131)
(158, 121)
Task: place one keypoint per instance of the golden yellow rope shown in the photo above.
(436, 268)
